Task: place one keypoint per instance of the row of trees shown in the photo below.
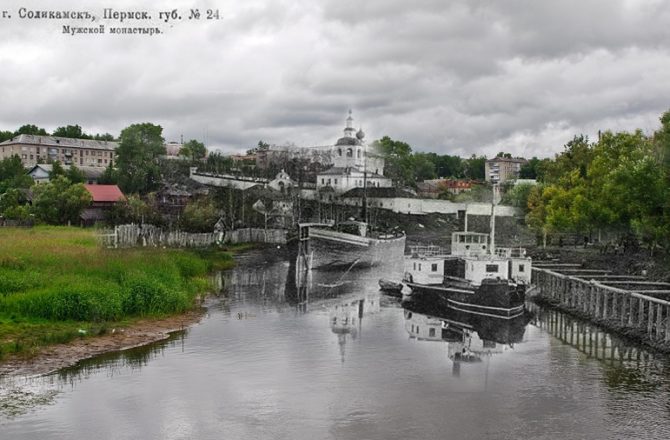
(406, 168)
(619, 184)
(69, 131)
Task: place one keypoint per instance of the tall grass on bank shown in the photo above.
(61, 274)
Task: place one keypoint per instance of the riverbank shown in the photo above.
(63, 295)
(130, 335)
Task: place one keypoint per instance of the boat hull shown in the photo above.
(334, 250)
(390, 287)
(492, 299)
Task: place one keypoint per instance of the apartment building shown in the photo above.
(80, 152)
(501, 169)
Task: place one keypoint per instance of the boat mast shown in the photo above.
(365, 186)
(492, 247)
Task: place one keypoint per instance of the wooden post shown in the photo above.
(650, 320)
(622, 316)
(640, 313)
(667, 324)
(659, 321)
(606, 294)
(597, 308)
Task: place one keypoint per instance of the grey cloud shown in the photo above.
(456, 77)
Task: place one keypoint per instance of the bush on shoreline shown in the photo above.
(52, 275)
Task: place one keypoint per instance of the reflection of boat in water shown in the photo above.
(346, 316)
(469, 336)
(350, 243)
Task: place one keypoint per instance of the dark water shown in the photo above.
(341, 361)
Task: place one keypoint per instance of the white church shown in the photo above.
(354, 163)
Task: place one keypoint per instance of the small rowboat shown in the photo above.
(390, 287)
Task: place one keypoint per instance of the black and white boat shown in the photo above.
(475, 277)
(350, 243)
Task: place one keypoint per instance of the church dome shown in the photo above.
(360, 135)
(348, 141)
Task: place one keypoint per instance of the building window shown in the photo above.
(521, 268)
(431, 332)
(358, 153)
(433, 267)
(491, 268)
(350, 152)
(339, 152)
(323, 181)
(335, 181)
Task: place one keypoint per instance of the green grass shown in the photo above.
(55, 281)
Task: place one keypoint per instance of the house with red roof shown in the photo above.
(103, 198)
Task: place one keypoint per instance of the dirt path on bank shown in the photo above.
(55, 357)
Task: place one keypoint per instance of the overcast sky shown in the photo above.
(448, 76)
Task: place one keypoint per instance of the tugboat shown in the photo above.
(474, 278)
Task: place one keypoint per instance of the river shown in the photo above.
(339, 360)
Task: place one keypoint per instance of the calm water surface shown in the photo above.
(338, 360)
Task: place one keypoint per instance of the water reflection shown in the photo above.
(469, 338)
(328, 356)
(627, 365)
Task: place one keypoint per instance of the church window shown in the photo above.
(358, 153)
(339, 152)
(350, 152)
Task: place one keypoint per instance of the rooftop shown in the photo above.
(55, 141)
(507, 159)
(105, 193)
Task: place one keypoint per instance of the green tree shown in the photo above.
(109, 176)
(13, 174)
(6, 135)
(517, 196)
(132, 210)
(199, 215)
(529, 170)
(137, 157)
(261, 146)
(447, 166)
(398, 165)
(75, 175)
(13, 205)
(60, 202)
(475, 167)
(56, 170)
(71, 131)
(103, 137)
(194, 150)
(424, 167)
(31, 129)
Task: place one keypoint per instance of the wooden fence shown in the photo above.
(612, 307)
(151, 236)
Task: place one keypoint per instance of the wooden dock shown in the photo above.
(628, 304)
